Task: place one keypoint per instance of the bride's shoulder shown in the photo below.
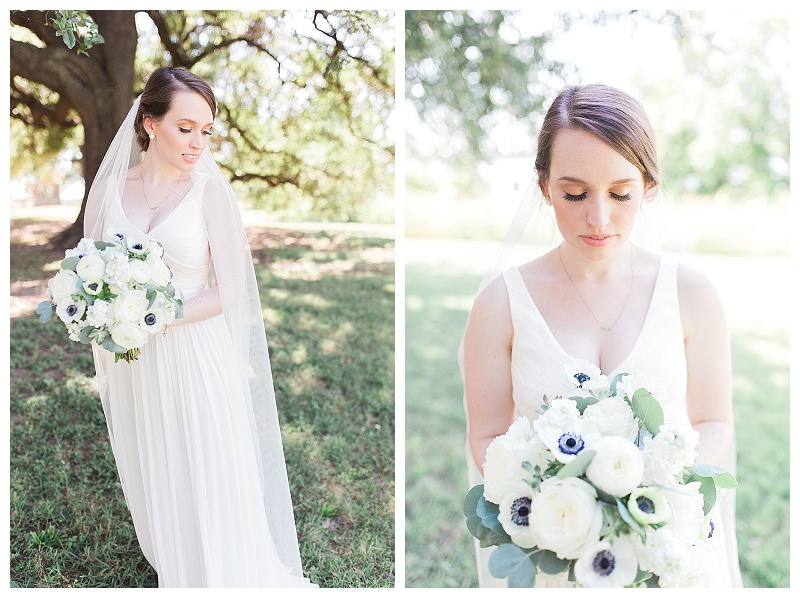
(697, 295)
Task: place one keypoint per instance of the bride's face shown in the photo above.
(182, 134)
(595, 192)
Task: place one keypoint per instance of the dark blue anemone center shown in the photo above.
(603, 563)
(520, 510)
(711, 530)
(72, 310)
(581, 378)
(138, 246)
(93, 286)
(570, 443)
(645, 505)
(150, 319)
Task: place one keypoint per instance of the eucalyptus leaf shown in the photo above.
(513, 562)
(70, 263)
(488, 537)
(45, 311)
(583, 402)
(648, 410)
(726, 480)
(151, 297)
(85, 337)
(576, 467)
(110, 345)
(708, 489)
(484, 508)
(550, 564)
(615, 380)
(102, 245)
(471, 500)
(473, 524)
(627, 517)
(707, 470)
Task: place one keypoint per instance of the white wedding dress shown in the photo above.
(537, 369)
(180, 432)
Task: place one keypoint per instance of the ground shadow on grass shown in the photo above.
(330, 324)
(761, 405)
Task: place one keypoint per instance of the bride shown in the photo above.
(599, 297)
(193, 423)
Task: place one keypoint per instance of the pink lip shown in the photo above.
(597, 240)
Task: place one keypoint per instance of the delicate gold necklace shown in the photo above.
(144, 193)
(589, 309)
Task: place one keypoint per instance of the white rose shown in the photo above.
(612, 416)
(566, 516)
(505, 455)
(130, 306)
(140, 271)
(91, 267)
(128, 335)
(160, 273)
(70, 311)
(617, 466)
(607, 564)
(515, 511)
(63, 285)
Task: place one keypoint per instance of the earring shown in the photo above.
(152, 136)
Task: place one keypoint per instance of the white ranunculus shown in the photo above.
(566, 516)
(154, 248)
(580, 373)
(515, 510)
(668, 453)
(160, 273)
(505, 455)
(140, 271)
(99, 314)
(607, 564)
(128, 335)
(70, 311)
(91, 267)
(612, 416)
(63, 285)
(617, 466)
(130, 306)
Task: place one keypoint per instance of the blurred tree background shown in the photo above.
(478, 83)
(716, 87)
(306, 99)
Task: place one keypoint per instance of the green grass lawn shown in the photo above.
(328, 301)
(440, 285)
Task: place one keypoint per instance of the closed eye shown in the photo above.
(625, 197)
(571, 197)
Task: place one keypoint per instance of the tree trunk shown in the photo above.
(100, 86)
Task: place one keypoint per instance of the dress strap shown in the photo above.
(519, 298)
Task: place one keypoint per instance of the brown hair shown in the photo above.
(612, 115)
(157, 97)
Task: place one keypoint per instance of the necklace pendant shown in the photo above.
(605, 328)
(154, 209)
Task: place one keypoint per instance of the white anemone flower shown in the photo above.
(607, 564)
(649, 506)
(582, 374)
(515, 511)
(70, 311)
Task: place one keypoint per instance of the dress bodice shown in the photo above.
(537, 359)
(182, 233)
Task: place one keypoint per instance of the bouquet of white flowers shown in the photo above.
(113, 294)
(604, 486)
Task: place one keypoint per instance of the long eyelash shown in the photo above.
(625, 197)
(570, 197)
(182, 130)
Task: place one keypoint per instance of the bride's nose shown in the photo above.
(598, 212)
(197, 140)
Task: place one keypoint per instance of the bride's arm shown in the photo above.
(487, 369)
(708, 362)
(228, 255)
